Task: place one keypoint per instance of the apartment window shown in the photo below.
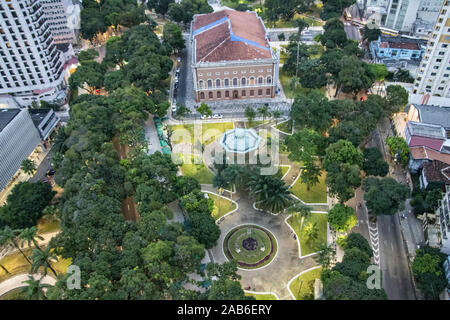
(227, 94)
(252, 81)
(243, 81)
(259, 92)
(252, 93)
(219, 94)
(217, 83)
(269, 80)
(200, 84)
(235, 82)
(227, 83)
(260, 80)
(209, 84)
(210, 95)
(243, 93)
(202, 95)
(267, 92)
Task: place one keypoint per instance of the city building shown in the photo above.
(19, 138)
(46, 121)
(433, 76)
(435, 172)
(437, 226)
(397, 48)
(31, 66)
(231, 57)
(63, 18)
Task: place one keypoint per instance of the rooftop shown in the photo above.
(426, 130)
(37, 115)
(422, 153)
(229, 35)
(437, 171)
(437, 115)
(6, 116)
(400, 42)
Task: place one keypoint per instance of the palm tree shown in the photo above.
(29, 236)
(233, 173)
(311, 231)
(298, 210)
(8, 235)
(42, 259)
(28, 166)
(326, 253)
(276, 114)
(270, 192)
(264, 111)
(34, 289)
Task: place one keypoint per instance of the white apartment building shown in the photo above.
(31, 67)
(433, 76)
(63, 17)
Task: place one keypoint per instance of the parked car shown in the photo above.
(217, 116)
(204, 116)
(174, 108)
(179, 59)
(50, 172)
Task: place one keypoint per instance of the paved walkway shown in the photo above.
(18, 282)
(286, 265)
(152, 136)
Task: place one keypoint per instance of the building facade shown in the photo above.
(31, 67)
(18, 138)
(231, 57)
(398, 48)
(433, 76)
(63, 18)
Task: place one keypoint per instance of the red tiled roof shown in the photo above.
(419, 153)
(216, 43)
(397, 45)
(435, 144)
(437, 171)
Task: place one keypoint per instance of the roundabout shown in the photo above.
(251, 246)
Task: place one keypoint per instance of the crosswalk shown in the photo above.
(374, 241)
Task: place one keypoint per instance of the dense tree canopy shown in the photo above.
(341, 218)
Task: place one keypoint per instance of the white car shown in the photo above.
(179, 59)
(174, 108)
(204, 116)
(217, 116)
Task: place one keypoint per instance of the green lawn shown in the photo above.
(284, 169)
(285, 126)
(15, 263)
(252, 124)
(316, 194)
(303, 286)
(286, 82)
(15, 294)
(289, 23)
(261, 296)
(221, 206)
(308, 247)
(197, 171)
(47, 225)
(210, 132)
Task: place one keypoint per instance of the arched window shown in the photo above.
(218, 83)
(243, 82)
(202, 95)
(260, 80)
(269, 80)
(219, 94)
(200, 84)
(235, 82)
(210, 95)
(252, 81)
(226, 83)
(209, 83)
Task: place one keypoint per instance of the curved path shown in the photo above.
(18, 282)
(275, 276)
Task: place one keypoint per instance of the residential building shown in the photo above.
(431, 114)
(433, 76)
(31, 67)
(18, 139)
(435, 172)
(401, 14)
(63, 18)
(397, 48)
(231, 57)
(437, 226)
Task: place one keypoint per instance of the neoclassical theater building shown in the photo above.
(231, 57)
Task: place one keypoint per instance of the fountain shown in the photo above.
(240, 140)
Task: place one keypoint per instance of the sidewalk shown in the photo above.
(18, 282)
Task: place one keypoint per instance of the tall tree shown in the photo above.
(28, 166)
(34, 289)
(173, 37)
(43, 258)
